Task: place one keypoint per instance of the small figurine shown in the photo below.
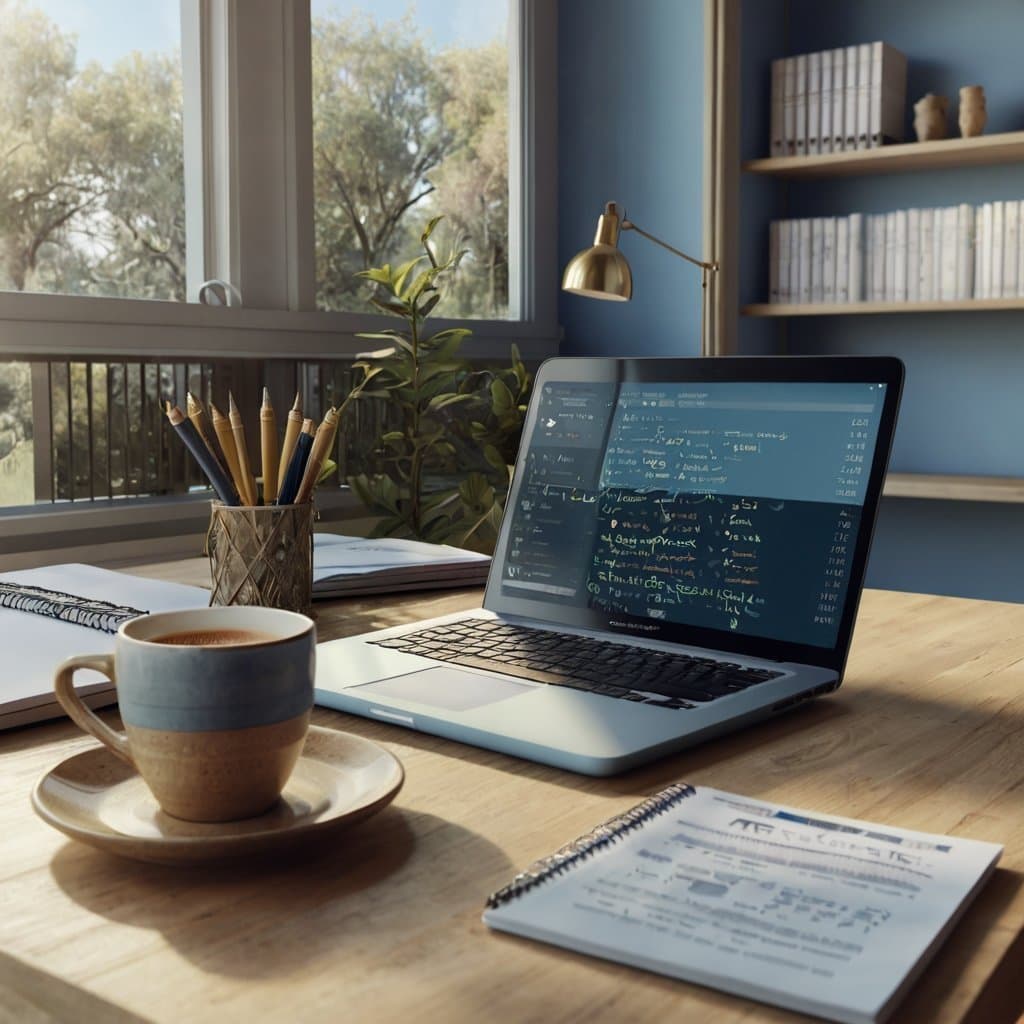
(972, 110)
(930, 117)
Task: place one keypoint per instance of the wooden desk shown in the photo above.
(926, 733)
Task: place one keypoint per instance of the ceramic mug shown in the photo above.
(215, 703)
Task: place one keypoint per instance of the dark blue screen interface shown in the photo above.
(725, 505)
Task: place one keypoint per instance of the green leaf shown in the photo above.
(402, 272)
(501, 397)
(428, 306)
(382, 275)
(441, 401)
(394, 307)
(429, 229)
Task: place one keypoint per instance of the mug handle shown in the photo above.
(81, 715)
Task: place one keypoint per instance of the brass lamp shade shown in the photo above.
(600, 272)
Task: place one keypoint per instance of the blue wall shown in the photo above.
(630, 115)
(630, 129)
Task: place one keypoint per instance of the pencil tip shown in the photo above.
(295, 405)
(231, 403)
(266, 395)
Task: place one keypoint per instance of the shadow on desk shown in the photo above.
(351, 898)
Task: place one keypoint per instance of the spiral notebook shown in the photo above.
(825, 915)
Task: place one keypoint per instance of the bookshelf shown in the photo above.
(982, 151)
(951, 487)
(862, 308)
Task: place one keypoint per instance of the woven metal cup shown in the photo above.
(262, 555)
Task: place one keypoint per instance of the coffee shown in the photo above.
(214, 637)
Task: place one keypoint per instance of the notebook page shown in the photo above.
(816, 913)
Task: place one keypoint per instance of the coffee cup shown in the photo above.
(215, 704)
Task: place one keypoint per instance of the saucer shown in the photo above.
(98, 799)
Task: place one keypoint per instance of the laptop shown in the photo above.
(682, 554)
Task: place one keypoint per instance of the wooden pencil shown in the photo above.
(268, 449)
(292, 429)
(215, 472)
(248, 487)
(226, 437)
(197, 414)
(325, 435)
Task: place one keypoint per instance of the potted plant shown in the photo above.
(450, 418)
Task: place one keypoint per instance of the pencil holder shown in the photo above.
(262, 555)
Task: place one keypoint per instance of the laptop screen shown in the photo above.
(725, 505)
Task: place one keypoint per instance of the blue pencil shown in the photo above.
(219, 480)
(297, 466)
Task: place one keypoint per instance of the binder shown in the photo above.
(789, 106)
(851, 63)
(714, 888)
(774, 233)
(900, 258)
(887, 95)
(800, 104)
(856, 258)
(863, 95)
(1011, 244)
(913, 255)
(842, 249)
(778, 143)
(997, 247)
(965, 251)
(828, 258)
(838, 99)
(817, 259)
(813, 104)
(825, 134)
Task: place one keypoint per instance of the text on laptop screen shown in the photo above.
(722, 505)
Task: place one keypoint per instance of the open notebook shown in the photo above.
(825, 915)
(35, 643)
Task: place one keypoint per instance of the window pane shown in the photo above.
(410, 120)
(17, 480)
(92, 198)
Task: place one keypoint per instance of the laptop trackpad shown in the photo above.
(448, 688)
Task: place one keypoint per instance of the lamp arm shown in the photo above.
(628, 225)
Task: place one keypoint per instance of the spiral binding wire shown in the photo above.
(586, 845)
(55, 604)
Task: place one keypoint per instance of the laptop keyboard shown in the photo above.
(675, 681)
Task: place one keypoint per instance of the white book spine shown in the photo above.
(948, 273)
(891, 259)
(838, 99)
(794, 261)
(789, 106)
(828, 250)
(863, 94)
(979, 242)
(888, 94)
(800, 104)
(851, 64)
(855, 261)
(1020, 249)
(804, 250)
(900, 256)
(778, 100)
(1011, 242)
(825, 134)
(842, 253)
(937, 253)
(983, 287)
(878, 266)
(926, 276)
(997, 248)
(964, 251)
(773, 261)
(817, 259)
(913, 255)
(813, 103)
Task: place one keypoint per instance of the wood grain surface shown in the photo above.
(384, 924)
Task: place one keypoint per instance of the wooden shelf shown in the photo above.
(861, 308)
(1005, 148)
(954, 488)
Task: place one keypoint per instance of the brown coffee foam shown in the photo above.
(213, 638)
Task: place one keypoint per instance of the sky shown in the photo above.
(108, 29)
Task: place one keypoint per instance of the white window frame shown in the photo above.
(249, 210)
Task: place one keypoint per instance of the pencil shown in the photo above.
(222, 425)
(291, 435)
(268, 449)
(248, 484)
(292, 479)
(187, 431)
(325, 435)
(201, 421)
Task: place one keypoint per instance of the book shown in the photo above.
(948, 263)
(863, 96)
(842, 286)
(828, 256)
(913, 255)
(817, 913)
(892, 256)
(344, 566)
(926, 275)
(997, 244)
(800, 104)
(856, 258)
(1011, 241)
(789, 106)
(887, 94)
(778, 143)
(1020, 249)
(813, 103)
(52, 613)
(900, 257)
(851, 63)
(825, 134)
(838, 99)
(965, 251)
(803, 256)
(774, 242)
(983, 285)
(817, 259)
(793, 264)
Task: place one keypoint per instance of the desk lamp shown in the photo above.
(602, 272)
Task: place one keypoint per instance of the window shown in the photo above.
(92, 197)
(410, 121)
(254, 216)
